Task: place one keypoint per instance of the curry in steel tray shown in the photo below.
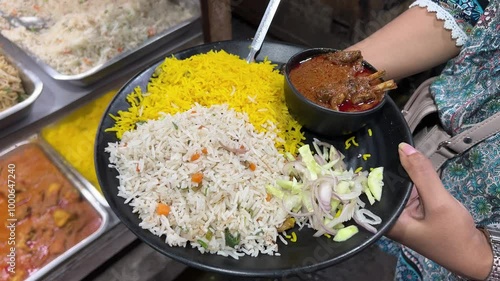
(50, 215)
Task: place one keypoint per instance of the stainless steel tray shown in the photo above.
(69, 167)
(86, 192)
(68, 164)
(33, 87)
(158, 42)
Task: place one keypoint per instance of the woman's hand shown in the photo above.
(436, 225)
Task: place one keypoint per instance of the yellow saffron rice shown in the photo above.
(215, 78)
(73, 137)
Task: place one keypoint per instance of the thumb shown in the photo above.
(423, 175)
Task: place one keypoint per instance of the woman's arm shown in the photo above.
(413, 42)
(436, 225)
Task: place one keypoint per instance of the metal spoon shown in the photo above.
(29, 22)
(260, 35)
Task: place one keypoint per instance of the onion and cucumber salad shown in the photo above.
(323, 194)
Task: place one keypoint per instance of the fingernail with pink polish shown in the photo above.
(407, 149)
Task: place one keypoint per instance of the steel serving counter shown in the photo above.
(57, 99)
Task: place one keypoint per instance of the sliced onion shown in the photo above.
(314, 218)
(365, 213)
(334, 154)
(319, 159)
(359, 178)
(320, 208)
(325, 199)
(361, 222)
(324, 229)
(289, 200)
(321, 227)
(322, 190)
(295, 168)
(298, 215)
(345, 175)
(347, 196)
(289, 167)
(319, 214)
(322, 143)
(339, 157)
(345, 215)
(316, 148)
(363, 174)
(361, 219)
(360, 203)
(294, 213)
(324, 195)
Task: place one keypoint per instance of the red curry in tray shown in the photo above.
(51, 214)
(340, 81)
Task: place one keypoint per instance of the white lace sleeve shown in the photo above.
(449, 21)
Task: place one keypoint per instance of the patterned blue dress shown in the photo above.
(466, 92)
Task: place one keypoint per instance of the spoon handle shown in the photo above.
(260, 35)
(31, 23)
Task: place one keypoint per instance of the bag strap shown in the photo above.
(437, 144)
(460, 143)
(419, 105)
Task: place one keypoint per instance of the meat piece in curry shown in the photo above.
(340, 81)
(51, 215)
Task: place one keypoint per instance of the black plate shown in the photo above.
(308, 253)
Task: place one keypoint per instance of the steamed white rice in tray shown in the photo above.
(229, 211)
(82, 35)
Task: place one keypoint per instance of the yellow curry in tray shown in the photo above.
(50, 215)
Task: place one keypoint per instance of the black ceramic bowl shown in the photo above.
(316, 118)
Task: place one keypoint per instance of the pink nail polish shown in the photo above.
(407, 149)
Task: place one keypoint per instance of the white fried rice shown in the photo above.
(154, 166)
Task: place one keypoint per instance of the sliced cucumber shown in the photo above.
(311, 164)
(306, 201)
(275, 191)
(345, 233)
(292, 203)
(339, 226)
(343, 187)
(375, 182)
(334, 204)
(293, 186)
(289, 156)
(368, 193)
